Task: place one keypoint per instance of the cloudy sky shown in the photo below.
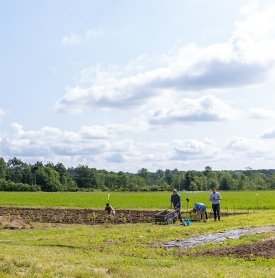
(121, 85)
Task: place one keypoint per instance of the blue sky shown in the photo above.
(121, 85)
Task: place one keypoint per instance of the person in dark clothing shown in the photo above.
(176, 203)
(109, 209)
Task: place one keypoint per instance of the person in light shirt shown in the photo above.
(215, 198)
(200, 208)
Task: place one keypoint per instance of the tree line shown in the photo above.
(16, 175)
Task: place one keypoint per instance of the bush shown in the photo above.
(12, 186)
(154, 188)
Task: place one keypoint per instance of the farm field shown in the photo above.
(49, 250)
(233, 200)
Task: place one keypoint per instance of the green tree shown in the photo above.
(226, 181)
(18, 171)
(48, 179)
(84, 177)
(3, 168)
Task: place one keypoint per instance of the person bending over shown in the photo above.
(200, 208)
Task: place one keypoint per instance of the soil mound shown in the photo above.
(265, 249)
(13, 223)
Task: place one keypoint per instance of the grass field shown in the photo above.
(241, 200)
(124, 251)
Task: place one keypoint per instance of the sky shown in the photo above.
(124, 85)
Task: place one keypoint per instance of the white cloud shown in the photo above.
(117, 158)
(49, 143)
(194, 149)
(269, 133)
(245, 59)
(260, 113)
(94, 147)
(204, 109)
(250, 148)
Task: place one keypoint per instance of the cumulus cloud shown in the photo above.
(116, 158)
(49, 143)
(96, 148)
(204, 109)
(269, 133)
(260, 113)
(245, 59)
(194, 149)
(250, 148)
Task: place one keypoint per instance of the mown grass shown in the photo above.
(124, 251)
(240, 200)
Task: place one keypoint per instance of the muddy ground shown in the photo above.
(265, 249)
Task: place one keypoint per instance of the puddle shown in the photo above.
(216, 238)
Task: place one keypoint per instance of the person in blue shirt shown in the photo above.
(200, 208)
(215, 198)
(176, 203)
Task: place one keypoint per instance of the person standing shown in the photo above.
(215, 198)
(176, 203)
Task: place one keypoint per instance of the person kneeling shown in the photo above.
(109, 209)
(200, 208)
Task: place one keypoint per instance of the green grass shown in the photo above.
(240, 200)
(124, 251)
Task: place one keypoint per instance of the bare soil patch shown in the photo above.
(14, 223)
(84, 216)
(265, 249)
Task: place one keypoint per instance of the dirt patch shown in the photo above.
(14, 223)
(83, 216)
(215, 238)
(265, 249)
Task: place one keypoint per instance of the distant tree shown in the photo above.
(48, 179)
(3, 168)
(226, 182)
(18, 171)
(84, 177)
(207, 170)
(188, 180)
(193, 186)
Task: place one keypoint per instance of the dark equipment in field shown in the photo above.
(166, 217)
